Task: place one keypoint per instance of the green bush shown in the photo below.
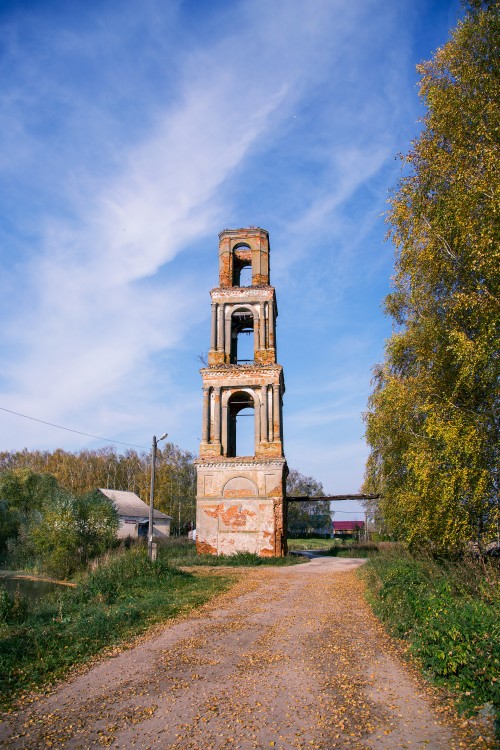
(123, 572)
(45, 528)
(69, 531)
(450, 615)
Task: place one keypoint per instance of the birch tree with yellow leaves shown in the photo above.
(433, 420)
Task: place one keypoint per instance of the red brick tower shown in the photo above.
(240, 499)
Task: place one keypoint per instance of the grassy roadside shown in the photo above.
(449, 615)
(309, 544)
(335, 547)
(180, 551)
(123, 597)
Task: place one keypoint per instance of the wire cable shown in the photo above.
(68, 429)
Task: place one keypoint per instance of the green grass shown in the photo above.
(124, 596)
(334, 548)
(449, 614)
(182, 552)
(312, 544)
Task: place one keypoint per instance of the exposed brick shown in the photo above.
(244, 256)
(270, 449)
(216, 357)
(235, 493)
(265, 356)
(210, 449)
(230, 516)
(259, 278)
(203, 548)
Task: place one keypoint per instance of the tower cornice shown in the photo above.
(226, 369)
(240, 462)
(244, 233)
(263, 291)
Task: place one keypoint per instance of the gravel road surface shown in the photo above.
(288, 658)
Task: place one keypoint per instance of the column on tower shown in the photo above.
(217, 414)
(258, 419)
(271, 337)
(224, 432)
(220, 327)
(262, 326)
(227, 338)
(270, 418)
(213, 329)
(263, 414)
(276, 412)
(205, 429)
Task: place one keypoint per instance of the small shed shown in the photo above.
(134, 515)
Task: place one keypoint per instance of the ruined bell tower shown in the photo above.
(241, 498)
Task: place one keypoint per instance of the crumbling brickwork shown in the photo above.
(250, 244)
(241, 499)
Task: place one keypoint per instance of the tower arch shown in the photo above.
(242, 262)
(243, 330)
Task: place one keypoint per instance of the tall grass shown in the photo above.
(449, 613)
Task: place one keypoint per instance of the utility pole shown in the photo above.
(152, 493)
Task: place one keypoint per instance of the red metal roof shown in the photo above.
(348, 525)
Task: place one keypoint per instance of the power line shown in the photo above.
(68, 429)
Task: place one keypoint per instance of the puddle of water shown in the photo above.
(32, 590)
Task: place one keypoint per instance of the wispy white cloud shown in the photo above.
(130, 138)
(95, 312)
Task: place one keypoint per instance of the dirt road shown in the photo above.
(289, 658)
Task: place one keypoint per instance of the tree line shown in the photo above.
(433, 417)
(311, 517)
(83, 471)
(31, 480)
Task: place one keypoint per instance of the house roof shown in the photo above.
(347, 525)
(130, 504)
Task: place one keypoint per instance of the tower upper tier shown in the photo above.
(242, 248)
(244, 309)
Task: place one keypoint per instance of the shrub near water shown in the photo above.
(450, 615)
(124, 596)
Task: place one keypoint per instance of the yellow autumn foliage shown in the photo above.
(433, 417)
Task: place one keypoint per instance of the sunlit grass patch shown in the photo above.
(449, 613)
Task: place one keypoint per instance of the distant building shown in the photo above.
(347, 527)
(134, 515)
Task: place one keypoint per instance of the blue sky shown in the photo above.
(131, 134)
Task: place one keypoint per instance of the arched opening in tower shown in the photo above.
(242, 337)
(241, 427)
(242, 265)
(245, 275)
